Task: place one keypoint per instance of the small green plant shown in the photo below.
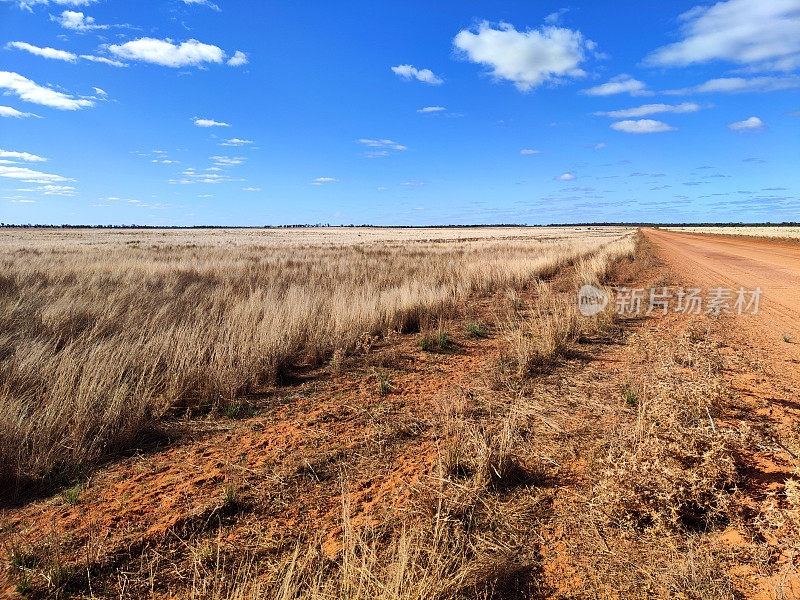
(24, 585)
(233, 410)
(230, 496)
(58, 575)
(787, 338)
(72, 494)
(384, 387)
(475, 330)
(443, 341)
(630, 396)
(427, 343)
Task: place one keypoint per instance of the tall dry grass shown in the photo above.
(103, 332)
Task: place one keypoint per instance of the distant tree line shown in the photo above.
(306, 225)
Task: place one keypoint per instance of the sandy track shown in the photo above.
(729, 262)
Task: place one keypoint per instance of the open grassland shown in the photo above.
(779, 232)
(510, 448)
(103, 332)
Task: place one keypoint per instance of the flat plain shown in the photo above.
(391, 413)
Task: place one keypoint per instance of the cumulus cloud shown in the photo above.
(529, 151)
(431, 109)
(565, 177)
(738, 85)
(76, 21)
(238, 59)
(641, 126)
(751, 125)
(761, 35)
(209, 123)
(43, 52)
(27, 157)
(235, 142)
(621, 84)
(651, 109)
(411, 72)
(104, 60)
(29, 175)
(206, 3)
(7, 111)
(525, 58)
(163, 52)
(31, 92)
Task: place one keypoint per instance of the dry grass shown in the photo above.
(101, 333)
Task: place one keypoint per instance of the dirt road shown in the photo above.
(730, 262)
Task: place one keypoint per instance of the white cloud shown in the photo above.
(599, 146)
(526, 58)
(43, 52)
(431, 109)
(381, 144)
(651, 109)
(411, 72)
(235, 142)
(641, 126)
(207, 3)
(413, 183)
(380, 147)
(209, 123)
(100, 92)
(29, 175)
(751, 125)
(31, 92)
(76, 21)
(226, 161)
(323, 180)
(621, 84)
(7, 111)
(167, 54)
(565, 177)
(737, 85)
(52, 190)
(528, 151)
(251, 189)
(555, 17)
(21, 156)
(763, 35)
(104, 60)
(27, 4)
(238, 59)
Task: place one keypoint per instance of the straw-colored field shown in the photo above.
(102, 331)
(762, 231)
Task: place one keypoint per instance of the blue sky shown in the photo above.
(196, 112)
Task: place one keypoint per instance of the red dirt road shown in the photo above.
(732, 262)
